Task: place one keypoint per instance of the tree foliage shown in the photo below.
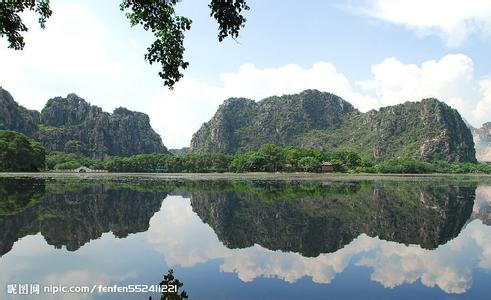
(67, 161)
(18, 153)
(308, 163)
(11, 24)
(168, 30)
(167, 163)
(228, 15)
(157, 16)
(167, 283)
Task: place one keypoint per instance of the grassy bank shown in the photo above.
(252, 176)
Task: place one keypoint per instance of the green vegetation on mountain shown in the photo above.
(72, 125)
(18, 153)
(242, 124)
(428, 130)
(15, 117)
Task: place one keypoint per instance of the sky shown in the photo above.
(372, 53)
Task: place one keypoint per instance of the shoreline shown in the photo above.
(247, 176)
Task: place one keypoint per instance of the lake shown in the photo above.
(417, 238)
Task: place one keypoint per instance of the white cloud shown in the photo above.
(482, 110)
(256, 262)
(395, 264)
(179, 234)
(452, 20)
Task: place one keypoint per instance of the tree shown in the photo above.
(171, 286)
(309, 164)
(292, 156)
(318, 154)
(11, 24)
(273, 156)
(256, 162)
(240, 163)
(18, 153)
(350, 158)
(158, 16)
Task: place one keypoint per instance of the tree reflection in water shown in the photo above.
(171, 286)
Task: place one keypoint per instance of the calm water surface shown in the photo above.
(249, 240)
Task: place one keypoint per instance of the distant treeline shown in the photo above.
(19, 153)
(269, 158)
(272, 158)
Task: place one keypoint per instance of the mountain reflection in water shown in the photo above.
(403, 231)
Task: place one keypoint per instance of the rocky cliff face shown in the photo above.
(426, 130)
(429, 130)
(15, 117)
(72, 125)
(482, 140)
(242, 124)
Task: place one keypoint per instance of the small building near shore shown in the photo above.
(327, 166)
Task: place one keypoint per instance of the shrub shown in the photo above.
(18, 153)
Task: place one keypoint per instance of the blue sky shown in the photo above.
(283, 32)
(372, 53)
